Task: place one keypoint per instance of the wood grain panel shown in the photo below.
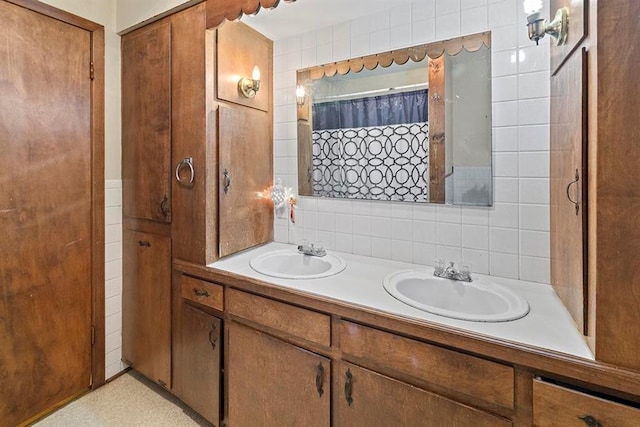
(47, 212)
(299, 322)
(557, 406)
(246, 153)
(240, 48)
(578, 30)
(305, 158)
(436, 105)
(377, 400)
(618, 186)
(272, 383)
(197, 371)
(202, 292)
(568, 155)
(146, 305)
(146, 123)
(455, 371)
(194, 227)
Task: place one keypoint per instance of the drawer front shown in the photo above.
(296, 321)
(461, 373)
(202, 292)
(558, 406)
(363, 398)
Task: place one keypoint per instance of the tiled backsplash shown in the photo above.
(510, 239)
(113, 277)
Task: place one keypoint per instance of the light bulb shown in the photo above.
(532, 6)
(255, 75)
(300, 92)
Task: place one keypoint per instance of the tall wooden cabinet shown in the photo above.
(146, 193)
(196, 162)
(594, 166)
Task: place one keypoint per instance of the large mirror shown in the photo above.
(411, 125)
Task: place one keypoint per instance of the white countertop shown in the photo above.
(548, 324)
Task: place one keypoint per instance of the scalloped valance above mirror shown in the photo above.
(411, 124)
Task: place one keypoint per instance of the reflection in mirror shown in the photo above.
(364, 125)
(468, 125)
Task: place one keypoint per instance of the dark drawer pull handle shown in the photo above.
(144, 243)
(213, 335)
(347, 387)
(163, 206)
(590, 421)
(319, 379)
(200, 292)
(575, 203)
(227, 180)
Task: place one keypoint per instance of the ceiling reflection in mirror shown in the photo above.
(366, 125)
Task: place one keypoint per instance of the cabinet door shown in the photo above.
(246, 171)
(568, 189)
(146, 123)
(274, 383)
(146, 305)
(197, 368)
(365, 398)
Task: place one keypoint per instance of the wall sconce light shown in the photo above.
(250, 86)
(538, 26)
(300, 96)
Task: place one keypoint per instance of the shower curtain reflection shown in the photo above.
(375, 147)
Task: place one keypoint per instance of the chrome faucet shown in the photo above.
(451, 272)
(313, 249)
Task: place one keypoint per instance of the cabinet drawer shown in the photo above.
(296, 321)
(202, 292)
(472, 376)
(559, 406)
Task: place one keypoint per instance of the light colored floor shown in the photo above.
(129, 400)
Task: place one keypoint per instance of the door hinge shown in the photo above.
(93, 335)
(92, 71)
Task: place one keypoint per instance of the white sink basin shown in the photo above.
(290, 264)
(478, 301)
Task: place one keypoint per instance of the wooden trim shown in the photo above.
(160, 16)
(437, 129)
(417, 53)
(58, 14)
(600, 376)
(97, 232)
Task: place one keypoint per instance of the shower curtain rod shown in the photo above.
(371, 92)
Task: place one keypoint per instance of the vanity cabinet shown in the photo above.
(365, 398)
(146, 305)
(272, 382)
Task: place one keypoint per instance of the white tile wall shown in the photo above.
(113, 278)
(510, 239)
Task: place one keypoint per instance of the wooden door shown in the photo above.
(197, 370)
(274, 383)
(246, 172)
(365, 398)
(46, 212)
(146, 305)
(146, 123)
(568, 186)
